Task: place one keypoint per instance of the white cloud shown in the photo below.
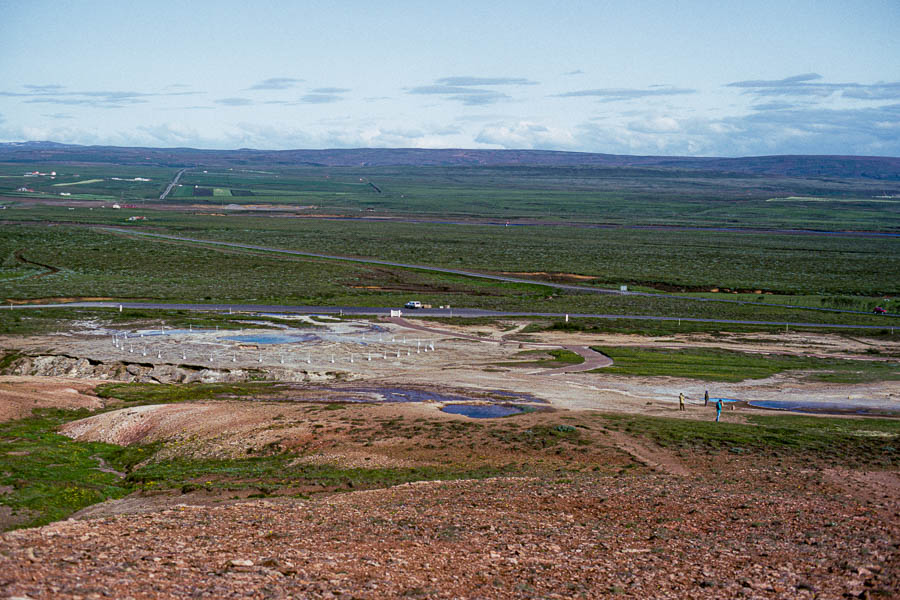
(861, 131)
(655, 125)
(526, 134)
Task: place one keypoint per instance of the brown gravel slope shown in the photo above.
(638, 536)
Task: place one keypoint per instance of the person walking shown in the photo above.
(706, 398)
(718, 409)
(681, 401)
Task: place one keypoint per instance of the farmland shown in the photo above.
(628, 196)
(578, 193)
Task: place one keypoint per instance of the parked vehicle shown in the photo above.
(413, 304)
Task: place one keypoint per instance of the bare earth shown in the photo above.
(20, 395)
(626, 519)
(642, 536)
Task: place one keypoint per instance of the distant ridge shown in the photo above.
(863, 167)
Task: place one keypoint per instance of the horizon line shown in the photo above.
(447, 149)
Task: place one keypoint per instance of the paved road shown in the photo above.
(500, 278)
(172, 185)
(386, 312)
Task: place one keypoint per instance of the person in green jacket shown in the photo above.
(681, 401)
(718, 409)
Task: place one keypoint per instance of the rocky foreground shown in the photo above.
(739, 532)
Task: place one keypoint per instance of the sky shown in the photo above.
(640, 77)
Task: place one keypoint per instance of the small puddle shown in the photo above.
(483, 411)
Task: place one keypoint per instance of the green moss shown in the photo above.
(53, 476)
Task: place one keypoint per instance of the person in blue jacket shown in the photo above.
(718, 409)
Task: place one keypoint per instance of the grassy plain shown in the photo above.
(659, 259)
(616, 226)
(99, 264)
(586, 194)
(724, 365)
(619, 196)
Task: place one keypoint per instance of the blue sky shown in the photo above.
(698, 78)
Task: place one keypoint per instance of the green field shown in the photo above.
(666, 260)
(728, 366)
(94, 263)
(94, 182)
(587, 194)
(842, 200)
(691, 236)
(622, 196)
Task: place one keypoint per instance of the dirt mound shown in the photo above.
(222, 428)
(20, 395)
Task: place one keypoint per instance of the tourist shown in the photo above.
(706, 398)
(718, 409)
(681, 401)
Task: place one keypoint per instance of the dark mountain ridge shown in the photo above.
(862, 167)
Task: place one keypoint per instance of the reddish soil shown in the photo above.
(20, 395)
(747, 534)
